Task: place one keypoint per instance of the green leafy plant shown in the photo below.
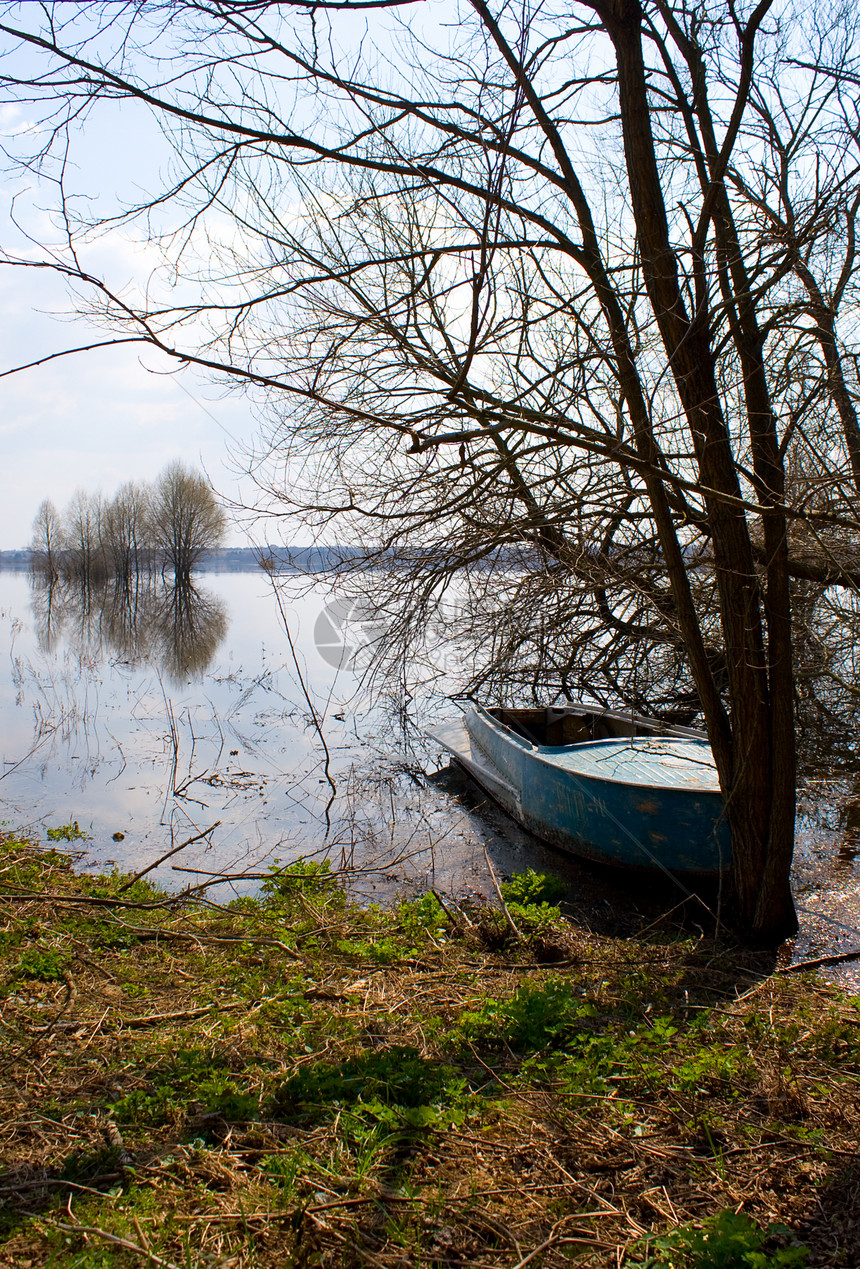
(533, 888)
(305, 877)
(222, 1096)
(66, 833)
(713, 1064)
(43, 963)
(423, 916)
(536, 1015)
(148, 1106)
(530, 899)
(110, 884)
(728, 1240)
(86, 1166)
(382, 951)
(286, 1170)
(195, 1078)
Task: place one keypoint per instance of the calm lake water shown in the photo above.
(148, 722)
(155, 721)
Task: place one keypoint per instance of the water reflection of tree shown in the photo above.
(188, 625)
(176, 627)
(48, 609)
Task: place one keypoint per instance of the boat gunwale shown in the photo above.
(677, 731)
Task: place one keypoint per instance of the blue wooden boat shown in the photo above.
(614, 788)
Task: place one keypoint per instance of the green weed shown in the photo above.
(381, 951)
(116, 1215)
(729, 1240)
(109, 884)
(421, 917)
(538, 1014)
(285, 1171)
(66, 833)
(194, 1079)
(31, 867)
(532, 888)
(574, 1043)
(308, 878)
(529, 897)
(43, 963)
(710, 1065)
(389, 1077)
(86, 1166)
(148, 1107)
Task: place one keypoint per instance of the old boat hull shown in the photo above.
(616, 789)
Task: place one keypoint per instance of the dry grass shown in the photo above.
(300, 1082)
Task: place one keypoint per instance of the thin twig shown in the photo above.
(53, 1025)
(456, 914)
(186, 936)
(315, 718)
(498, 890)
(174, 851)
(149, 1020)
(50, 1182)
(96, 901)
(836, 959)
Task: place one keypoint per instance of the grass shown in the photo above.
(295, 1080)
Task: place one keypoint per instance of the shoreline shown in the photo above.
(295, 1079)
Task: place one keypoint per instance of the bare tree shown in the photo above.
(172, 524)
(551, 294)
(83, 538)
(47, 540)
(184, 519)
(124, 532)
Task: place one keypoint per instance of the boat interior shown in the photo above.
(572, 725)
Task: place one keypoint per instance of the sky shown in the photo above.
(97, 419)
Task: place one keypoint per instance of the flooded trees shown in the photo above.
(557, 305)
(83, 538)
(169, 525)
(118, 572)
(125, 532)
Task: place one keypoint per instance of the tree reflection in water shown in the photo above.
(188, 626)
(175, 627)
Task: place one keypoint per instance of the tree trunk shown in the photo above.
(756, 761)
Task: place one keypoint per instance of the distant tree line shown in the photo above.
(167, 525)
